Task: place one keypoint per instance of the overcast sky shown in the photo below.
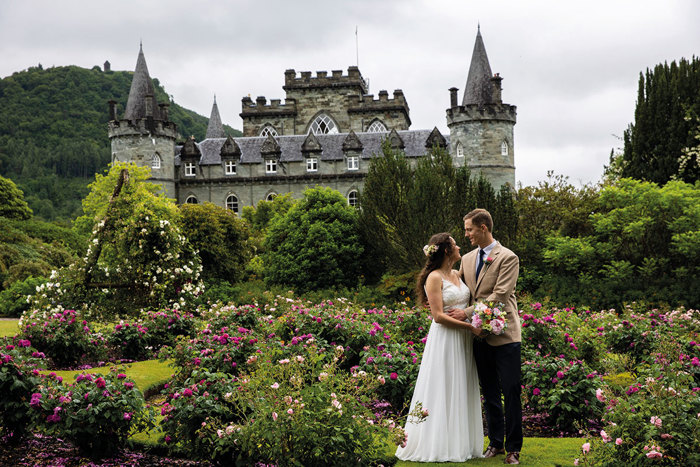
(571, 68)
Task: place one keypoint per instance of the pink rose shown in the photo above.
(599, 395)
(586, 447)
(274, 416)
(618, 441)
(275, 385)
(393, 376)
(536, 392)
(604, 435)
(654, 454)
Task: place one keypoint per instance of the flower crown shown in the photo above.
(430, 249)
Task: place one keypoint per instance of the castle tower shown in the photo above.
(215, 129)
(145, 135)
(481, 129)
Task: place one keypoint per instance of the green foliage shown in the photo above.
(17, 381)
(402, 206)
(315, 244)
(53, 131)
(97, 412)
(12, 203)
(221, 238)
(13, 300)
(654, 144)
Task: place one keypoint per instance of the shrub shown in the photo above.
(13, 300)
(17, 381)
(97, 412)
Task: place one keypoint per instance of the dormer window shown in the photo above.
(271, 166)
(189, 169)
(311, 164)
(377, 127)
(460, 150)
(230, 167)
(504, 149)
(155, 162)
(268, 130)
(353, 162)
(323, 125)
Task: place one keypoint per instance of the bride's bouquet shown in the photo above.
(490, 316)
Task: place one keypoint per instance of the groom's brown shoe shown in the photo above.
(493, 452)
(512, 458)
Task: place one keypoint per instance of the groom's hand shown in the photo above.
(457, 313)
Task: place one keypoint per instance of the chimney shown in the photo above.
(112, 110)
(453, 97)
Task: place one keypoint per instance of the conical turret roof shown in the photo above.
(215, 129)
(141, 86)
(479, 88)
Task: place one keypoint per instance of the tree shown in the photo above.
(654, 143)
(315, 245)
(12, 203)
(221, 238)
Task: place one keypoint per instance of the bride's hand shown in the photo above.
(476, 331)
(457, 313)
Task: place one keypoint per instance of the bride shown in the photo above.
(447, 384)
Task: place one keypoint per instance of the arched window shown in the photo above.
(232, 203)
(504, 149)
(270, 196)
(155, 161)
(353, 199)
(322, 125)
(268, 130)
(191, 199)
(377, 127)
(460, 150)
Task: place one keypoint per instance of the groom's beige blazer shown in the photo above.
(496, 282)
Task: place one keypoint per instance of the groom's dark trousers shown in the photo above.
(499, 373)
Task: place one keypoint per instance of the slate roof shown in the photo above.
(479, 88)
(290, 146)
(141, 86)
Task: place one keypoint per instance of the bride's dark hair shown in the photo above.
(443, 248)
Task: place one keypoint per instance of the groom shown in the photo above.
(491, 272)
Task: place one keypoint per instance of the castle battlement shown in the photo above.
(322, 80)
(476, 112)
(261, 107)
(142, 127)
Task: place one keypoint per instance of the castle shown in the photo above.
(325, 133)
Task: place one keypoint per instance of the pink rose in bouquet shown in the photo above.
(490, 316)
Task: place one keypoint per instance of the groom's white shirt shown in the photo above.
(486, 250)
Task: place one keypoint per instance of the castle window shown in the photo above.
(191, 199)
(311, 164)
(271, 166)
(353, 199)
(230, 167)
(232, 203)
(268, 130)
(189, 169)
(377, 127)
(353, 162)
(504, 149)
(460, 150)
(322, 125)
(155, 162)
(270, 196)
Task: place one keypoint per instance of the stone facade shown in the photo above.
(325, 134)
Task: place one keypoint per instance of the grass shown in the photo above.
(536, 451)
(8, 327)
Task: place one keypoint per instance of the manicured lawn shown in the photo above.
(8, 327)
(536, 451)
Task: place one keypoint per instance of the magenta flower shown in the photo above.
(393, 376)
(100, 382)
(127, 415)
(187, 392)
(536, 392)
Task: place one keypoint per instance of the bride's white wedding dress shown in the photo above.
(448, 387)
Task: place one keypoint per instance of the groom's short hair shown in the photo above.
(480, 217)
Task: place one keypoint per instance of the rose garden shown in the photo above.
(136, 352)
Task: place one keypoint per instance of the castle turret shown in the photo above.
(145, 135)
(215, 129)
(481, 129)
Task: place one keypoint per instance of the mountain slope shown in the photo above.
(53, 131)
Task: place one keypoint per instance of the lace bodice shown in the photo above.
(453, 296)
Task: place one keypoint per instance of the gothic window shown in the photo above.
(271, 166)
(377, 127)
(270, 196)
(155, 162)
(353, 199)
(232, 203)
(230, 167)
(191, 199)
(268, 130)
(323, 124)
(504, 149)
(353, 162)
(460, 150)
(311, 164)
(189, 169)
